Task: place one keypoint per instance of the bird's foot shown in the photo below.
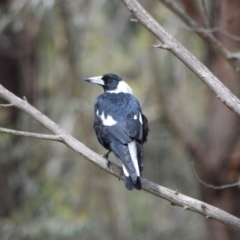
(121, 175)
(106, 157)
(108, 163)
(106, 154)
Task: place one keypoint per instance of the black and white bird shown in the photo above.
(120, 126)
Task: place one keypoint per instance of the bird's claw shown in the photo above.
(108, 163)
(121, 176)
(121, 173)
(106, 155)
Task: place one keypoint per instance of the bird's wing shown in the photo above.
(120, 132)
(123, 125)
(131, 128)
(134, 125)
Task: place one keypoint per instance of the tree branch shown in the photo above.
(32, 135)
(5, 105)
(205, 13)
(221, 91)
(174, 197)
(230, 185)
(204, 34)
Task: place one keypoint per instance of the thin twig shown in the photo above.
(5, 105)
(229, 35)
(32, 135)
(236, 184)
(201, 29)
(205, 35)
(205, 13)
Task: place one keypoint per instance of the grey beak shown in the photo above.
(98, 80)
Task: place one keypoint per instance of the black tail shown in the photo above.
(130, 185)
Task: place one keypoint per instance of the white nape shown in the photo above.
(109, 121)
(122, 87)
(133, 153)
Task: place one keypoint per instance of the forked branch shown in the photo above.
(206, 33)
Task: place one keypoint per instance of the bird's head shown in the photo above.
(111, 83)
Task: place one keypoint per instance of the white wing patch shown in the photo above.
(109, 121)
(125, 171)
(140, 118)
(97, 113)
(122, 87)
(133, 152)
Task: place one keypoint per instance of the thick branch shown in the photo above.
(221, 91)
(174, 197)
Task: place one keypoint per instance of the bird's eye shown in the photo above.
(108, 80)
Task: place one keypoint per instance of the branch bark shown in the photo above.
(176, 198)
(221, 91)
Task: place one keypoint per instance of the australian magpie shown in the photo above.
(120, 126)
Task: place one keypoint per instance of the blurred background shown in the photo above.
(47, 191)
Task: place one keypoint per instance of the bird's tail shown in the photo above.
(131, 176)
(130, 185)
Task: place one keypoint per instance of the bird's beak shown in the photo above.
(98, 80)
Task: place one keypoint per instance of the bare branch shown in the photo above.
(221, 91)
(176, 198)
(203, 33)
(236, 184)
(205, 13)
(229, 35)
(5, 105)
(32, 135)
